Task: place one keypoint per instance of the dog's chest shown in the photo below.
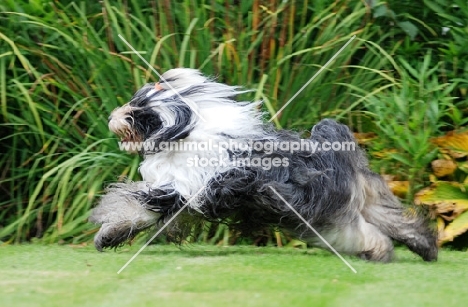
(181, 171)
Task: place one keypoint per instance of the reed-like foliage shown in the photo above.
(64, 68)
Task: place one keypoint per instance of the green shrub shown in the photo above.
(63, 69)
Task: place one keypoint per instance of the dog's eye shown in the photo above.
(166, 80)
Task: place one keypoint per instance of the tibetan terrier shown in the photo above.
(201, 145)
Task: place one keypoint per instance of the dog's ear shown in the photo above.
(180, 128)
(181, 77)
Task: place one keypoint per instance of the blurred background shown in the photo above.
(401, 85)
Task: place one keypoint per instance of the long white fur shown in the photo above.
(241, 121)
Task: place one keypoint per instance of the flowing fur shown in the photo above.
(351, 207)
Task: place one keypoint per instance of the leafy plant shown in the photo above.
(407, 116)
(447, 197)
(64, 68)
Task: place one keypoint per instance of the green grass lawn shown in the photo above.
(194, 275)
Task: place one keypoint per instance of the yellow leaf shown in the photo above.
(383, 153)
(444, 197)
(455, 228)
(399, 188)
(443, 167)
(364, 137)
(440, 226)
(453, 143)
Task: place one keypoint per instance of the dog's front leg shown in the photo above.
(165, 200)
(121, 214)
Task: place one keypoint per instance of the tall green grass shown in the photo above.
(63, 69)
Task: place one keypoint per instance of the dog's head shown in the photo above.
(185, 103)
(162, 111)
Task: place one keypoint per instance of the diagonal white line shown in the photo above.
(159, 231)
(187, 102)
(312, 79)
(312, 228)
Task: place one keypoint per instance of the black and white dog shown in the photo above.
(241, 164)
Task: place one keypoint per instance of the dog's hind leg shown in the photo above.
(384, 210)
(358, 238)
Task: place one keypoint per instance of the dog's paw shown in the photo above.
(378, 256)
(427, 248)
(113, 235)
(122, 216)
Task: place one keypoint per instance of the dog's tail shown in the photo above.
(405, 225)
(338, 139)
